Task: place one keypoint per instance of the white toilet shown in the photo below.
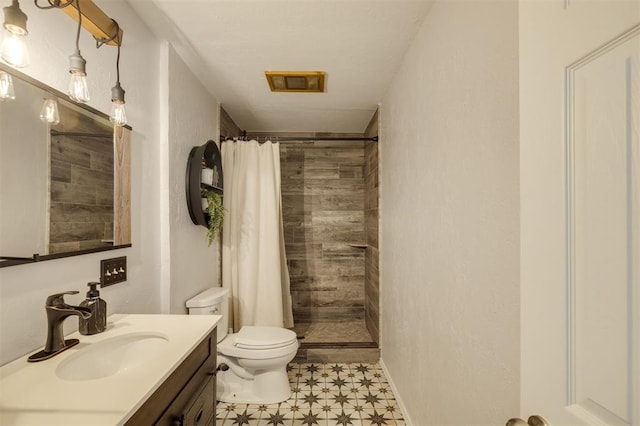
(257, 356)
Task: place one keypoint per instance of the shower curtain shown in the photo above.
(254, 266)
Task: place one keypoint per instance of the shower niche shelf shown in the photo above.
(357, 245)
(204, 173)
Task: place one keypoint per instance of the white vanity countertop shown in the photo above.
(33, 394)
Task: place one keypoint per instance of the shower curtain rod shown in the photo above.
(81, 134)
(295, 139)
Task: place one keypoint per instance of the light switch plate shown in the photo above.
(113, 271)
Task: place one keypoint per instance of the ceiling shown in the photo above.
(229, 44)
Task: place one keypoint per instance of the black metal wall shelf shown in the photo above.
(211, 188)
(202, 157)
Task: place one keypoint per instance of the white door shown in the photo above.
(580, 211)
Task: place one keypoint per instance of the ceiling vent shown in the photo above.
(296, 81)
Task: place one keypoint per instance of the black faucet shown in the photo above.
(57, 311)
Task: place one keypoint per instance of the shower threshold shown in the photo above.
(337, 345)
(332, 332)
(345, 341)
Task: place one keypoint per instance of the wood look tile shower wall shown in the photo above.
(228, 127)
(372, 284)
(323, 212)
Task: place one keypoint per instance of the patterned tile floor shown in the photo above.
(323, 394)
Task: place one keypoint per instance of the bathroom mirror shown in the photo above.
(65, 187)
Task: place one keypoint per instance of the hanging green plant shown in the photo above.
(215, 210)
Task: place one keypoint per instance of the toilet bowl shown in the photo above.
(257, 356)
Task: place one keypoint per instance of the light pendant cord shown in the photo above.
(58, 4)
(116, 36)
(77, 64)
(54, 4)
(118, 56)
(79, 27)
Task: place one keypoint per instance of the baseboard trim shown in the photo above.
(405, 414)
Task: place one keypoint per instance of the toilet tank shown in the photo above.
(212, 302)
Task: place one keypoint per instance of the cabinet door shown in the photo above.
(201, 411)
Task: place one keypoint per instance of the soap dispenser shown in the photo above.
(97, 322)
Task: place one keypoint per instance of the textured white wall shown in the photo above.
(449, 218)
(192, 120)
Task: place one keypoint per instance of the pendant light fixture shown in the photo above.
(14, 46)
(100, 26)
(118, 115)
(78, 88)
(49, 112)
(6, 87)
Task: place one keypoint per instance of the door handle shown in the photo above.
(534, 420)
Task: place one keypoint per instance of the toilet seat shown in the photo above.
(259, 338)
(254, 343)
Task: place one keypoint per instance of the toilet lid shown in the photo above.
(254, 337)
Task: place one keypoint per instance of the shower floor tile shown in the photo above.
(323, 394)
(333, 332)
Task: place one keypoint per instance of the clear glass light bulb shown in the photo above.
(6, 87)
(118, 115)
(49, 112)
(14, 49)
(78, 88)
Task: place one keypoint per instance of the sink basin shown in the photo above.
(115, 355)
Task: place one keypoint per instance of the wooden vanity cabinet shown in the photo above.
(188, 396)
